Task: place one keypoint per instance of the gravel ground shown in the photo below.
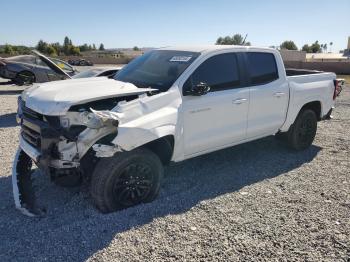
(257, 201)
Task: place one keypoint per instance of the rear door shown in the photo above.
(219, 117)
(268, 94)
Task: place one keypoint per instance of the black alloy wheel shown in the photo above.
(133, 185)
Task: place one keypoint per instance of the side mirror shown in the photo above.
(198, 90)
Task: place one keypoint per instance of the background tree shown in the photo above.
(306, 48)
(8, 49)
(66, 41)
(74, 50)
(57, 48)
(315, 47)
(93, 47)
(51, 51)
(236, 39)
(136, 48)
(41, 46)
(289, 45)
(14, 49)
(102, 47)
(84, 48)
(219, 41)
(227, 40)
(330, 46)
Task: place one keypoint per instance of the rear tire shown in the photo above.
(303, 131)
(126, 179)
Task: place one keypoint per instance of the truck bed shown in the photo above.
(296, 72)
(306, 86)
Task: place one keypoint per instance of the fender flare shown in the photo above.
(292, 115)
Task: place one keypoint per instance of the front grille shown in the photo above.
(29, 130)
(31, 136)
(30, 113)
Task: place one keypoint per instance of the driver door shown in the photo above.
(218, 118)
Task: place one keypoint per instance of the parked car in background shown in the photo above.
(80, 62)
(36, 68)
(99, 71)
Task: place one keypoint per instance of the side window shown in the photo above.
(262, 68)
(220, 72)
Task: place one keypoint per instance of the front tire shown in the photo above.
(303, 131)
(126, 179)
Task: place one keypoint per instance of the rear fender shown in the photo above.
(293, 113)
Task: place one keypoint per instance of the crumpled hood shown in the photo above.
(55, 98)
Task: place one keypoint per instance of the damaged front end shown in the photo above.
(66, 145)
(60, 146)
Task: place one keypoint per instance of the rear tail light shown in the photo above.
(336, 86)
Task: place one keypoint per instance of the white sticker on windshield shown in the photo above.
(180, 58)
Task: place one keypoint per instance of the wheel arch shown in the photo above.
(163, 147)
(154, 139)
(314, 106)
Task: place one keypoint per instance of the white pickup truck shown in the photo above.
(168, 105)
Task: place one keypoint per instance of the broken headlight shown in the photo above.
(84, 118)
(90, 120)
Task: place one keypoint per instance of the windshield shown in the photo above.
(157, 69)
(88, 73)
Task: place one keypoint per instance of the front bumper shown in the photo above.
(40, 137)
(62, 154)
(32, 152)
(37, 143)
(22, 188)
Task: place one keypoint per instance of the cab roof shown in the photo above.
(210, 48)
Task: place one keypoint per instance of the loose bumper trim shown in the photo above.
(33, 153)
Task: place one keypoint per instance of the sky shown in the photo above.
(156, 23)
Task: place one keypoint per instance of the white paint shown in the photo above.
(14, 180)
(105, 150)
(199, 124)
(55, 98)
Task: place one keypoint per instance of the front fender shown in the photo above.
(129, 138)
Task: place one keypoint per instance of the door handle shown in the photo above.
(239, 101)
(278, 94)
